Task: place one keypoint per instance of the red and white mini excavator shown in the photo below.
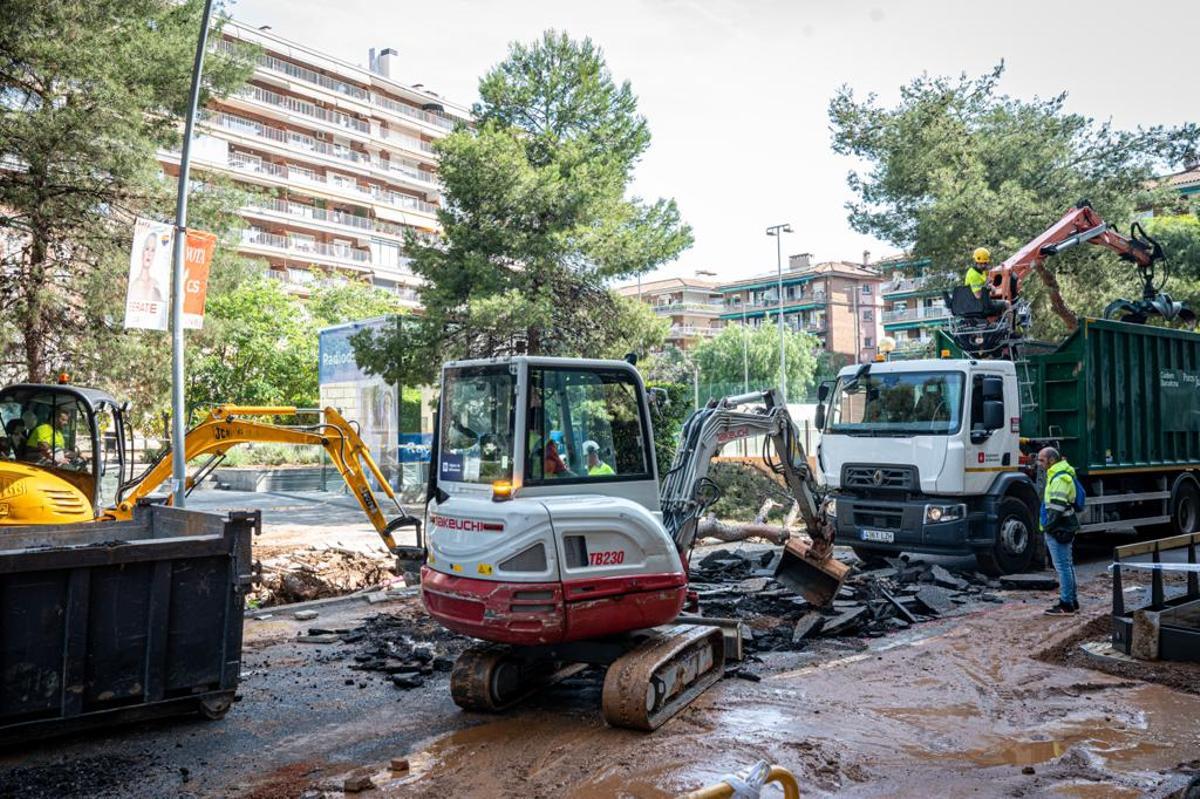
(550, 540)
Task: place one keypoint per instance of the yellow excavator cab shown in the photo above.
(62, 453)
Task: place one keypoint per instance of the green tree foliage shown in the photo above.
(670, 412)
(536, 220)
(957, 164)
(89, 90)
(259, 345)
(721, 360)
(1179, 236)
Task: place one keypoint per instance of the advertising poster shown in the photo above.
(148, 298)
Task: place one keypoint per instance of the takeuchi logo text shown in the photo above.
(466, 525)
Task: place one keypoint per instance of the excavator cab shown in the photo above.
(62, 454)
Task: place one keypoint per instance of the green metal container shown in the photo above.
(1119, 397)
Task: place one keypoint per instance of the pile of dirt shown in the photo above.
(299, 575)
(871, 603)
(1068, 651)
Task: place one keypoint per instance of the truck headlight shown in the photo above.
(935, 514)
(829, 508)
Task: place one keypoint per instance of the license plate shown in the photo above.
(882, 536)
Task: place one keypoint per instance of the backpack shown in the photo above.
(1080, 495)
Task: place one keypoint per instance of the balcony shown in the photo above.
(691, 331)
(297, 247)
(921, 312)
(309, 212)
(282, 173)
(290, 140)
(689, 307)
(296, 106)
(278, 65)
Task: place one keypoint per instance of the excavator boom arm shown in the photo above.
(228, 425)
(686, 487)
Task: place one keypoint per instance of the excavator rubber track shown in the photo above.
(671, 667)
(490, 678)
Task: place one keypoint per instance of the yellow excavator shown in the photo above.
(66, 456)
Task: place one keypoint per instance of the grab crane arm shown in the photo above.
(226, 426)
(1079, 225)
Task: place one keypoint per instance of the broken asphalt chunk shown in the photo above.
(936, 599)
(844, 622)
(947, 580)
(1029, 582)
(808, 624)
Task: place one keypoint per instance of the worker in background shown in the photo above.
(1060, 523)
(976, 277)
(595, 466)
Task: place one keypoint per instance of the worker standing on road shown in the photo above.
(1060, 524)
(976, 277)
(595, 466)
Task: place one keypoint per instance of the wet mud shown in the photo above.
(959, 707)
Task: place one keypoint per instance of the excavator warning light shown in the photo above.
(501, 490)
(945, 353)
(63, 378)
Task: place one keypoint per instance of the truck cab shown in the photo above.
(924, 455)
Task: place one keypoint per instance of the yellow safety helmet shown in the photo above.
(983, 255)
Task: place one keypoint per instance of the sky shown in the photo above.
(736, 93)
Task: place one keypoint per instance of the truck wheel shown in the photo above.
(1185, 508)
(868, 556)
(1015, 544)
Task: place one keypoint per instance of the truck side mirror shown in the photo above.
(993, 414)
(819, 418)
(823, 392)
(993, 389)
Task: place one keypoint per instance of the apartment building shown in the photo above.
(693, 306)
(837, 301)
(913, 307)
(340, 159)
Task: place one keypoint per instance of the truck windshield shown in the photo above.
(476, 424)
(897, 404)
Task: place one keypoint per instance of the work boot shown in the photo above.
(1060, 609)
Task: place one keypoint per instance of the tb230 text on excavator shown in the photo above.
(551, 540)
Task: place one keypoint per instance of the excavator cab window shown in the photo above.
(477, 424)
(585, 424)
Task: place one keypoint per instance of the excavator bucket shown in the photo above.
(815, 579)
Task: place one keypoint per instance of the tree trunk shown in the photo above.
(1056, 299)
(30, 314)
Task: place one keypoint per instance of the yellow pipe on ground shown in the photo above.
(723, 790)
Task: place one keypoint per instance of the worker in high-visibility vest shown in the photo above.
(976, 277)
(1060, 523)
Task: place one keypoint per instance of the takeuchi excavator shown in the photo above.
(66, 457)
(551, 540)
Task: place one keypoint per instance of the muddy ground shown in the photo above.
(960, 706)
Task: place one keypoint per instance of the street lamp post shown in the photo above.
(777, 231)
(178, 272)
(745, 348)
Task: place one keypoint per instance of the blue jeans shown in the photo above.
(1064, 563)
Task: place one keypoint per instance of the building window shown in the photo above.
(866, 288)
(868, 342)
(868, 316)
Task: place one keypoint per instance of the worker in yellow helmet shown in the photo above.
(976, 277)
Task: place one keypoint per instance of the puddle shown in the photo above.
(1096, 790)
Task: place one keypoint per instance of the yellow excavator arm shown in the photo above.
(227, 426)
